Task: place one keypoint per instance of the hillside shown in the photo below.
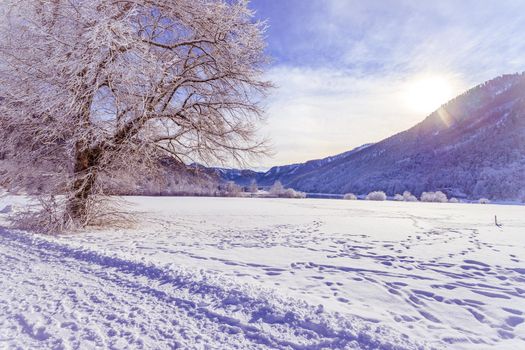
(471, 147)
(284, 173)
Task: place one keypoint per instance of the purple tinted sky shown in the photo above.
(342, 66)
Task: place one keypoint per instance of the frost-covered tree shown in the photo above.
(438, 197)
(350, 196)
(409, 197)
(441, 197)
(253, 187)
(277, 189)
(291, 193)
(89, 88)
(231, 189)
(376, 196)
(453, 200)
(399, 198)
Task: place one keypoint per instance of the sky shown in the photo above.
(350, 72)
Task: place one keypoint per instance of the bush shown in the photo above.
(438, 197)
(376, 196)
(399, 198)
(278, 190)
(291, 193)
(409, 197)
(453, 200)
(484, 201)
(350, 196)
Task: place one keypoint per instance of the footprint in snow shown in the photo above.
(512, 311)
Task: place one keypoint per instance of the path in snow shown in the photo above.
(440, 273)
(58, 297)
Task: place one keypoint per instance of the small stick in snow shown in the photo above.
(496, 221)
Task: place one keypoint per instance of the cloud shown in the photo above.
(343, 66)
(373, 37)
(318, 112)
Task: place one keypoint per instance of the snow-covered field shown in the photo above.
(221, 273)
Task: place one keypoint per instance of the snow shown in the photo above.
(270, 273)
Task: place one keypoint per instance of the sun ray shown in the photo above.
(445, 117)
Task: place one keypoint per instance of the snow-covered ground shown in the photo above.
(223, 273)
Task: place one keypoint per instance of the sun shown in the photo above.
(426, 94)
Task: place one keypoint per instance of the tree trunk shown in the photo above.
(84, 177)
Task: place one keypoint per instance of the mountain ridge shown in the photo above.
(472, 146)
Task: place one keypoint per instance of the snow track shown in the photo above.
(226, 273)
(53, 295)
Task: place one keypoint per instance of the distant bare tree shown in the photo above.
(89, 88)
(253, 187)
(231, 189)
(277, 189)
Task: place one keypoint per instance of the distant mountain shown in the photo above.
(241, 177)
(471, 147)
(284, 173)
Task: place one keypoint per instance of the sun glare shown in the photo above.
(426, 94)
